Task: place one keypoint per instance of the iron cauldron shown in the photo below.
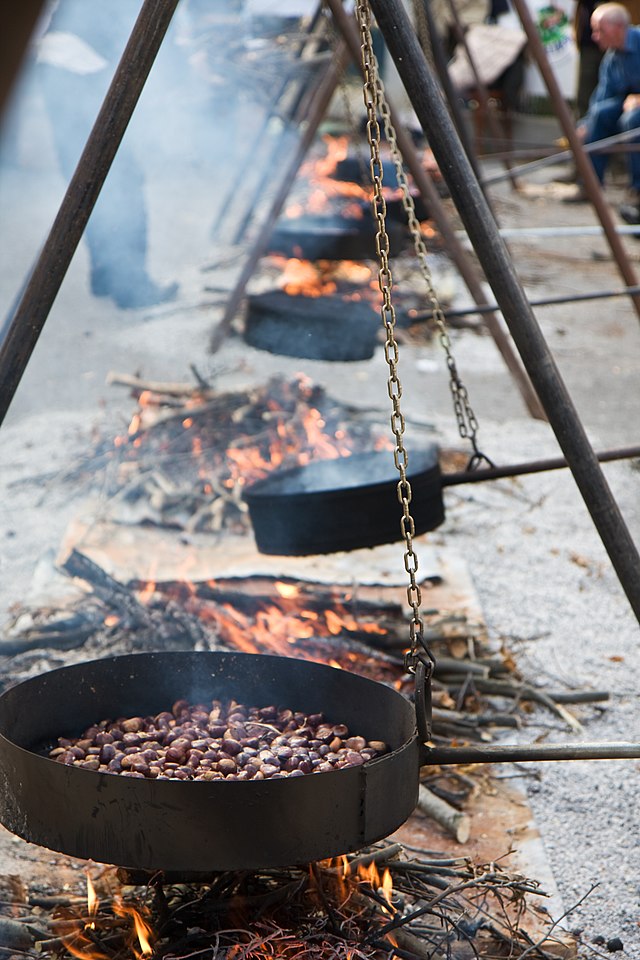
(175, 825)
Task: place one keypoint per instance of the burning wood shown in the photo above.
(185, 466)
(217, 741)
(376, 904)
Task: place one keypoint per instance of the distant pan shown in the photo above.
(343, 504)
(316, 328)
(333, 237)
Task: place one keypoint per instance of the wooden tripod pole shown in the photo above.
(427, 101)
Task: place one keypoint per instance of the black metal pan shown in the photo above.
(342, 504)
(352, 502)
(183, 826)
(201, 826)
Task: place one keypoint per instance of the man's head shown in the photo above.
(609, 23)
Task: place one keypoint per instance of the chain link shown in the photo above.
(418, 650)
(465, 416)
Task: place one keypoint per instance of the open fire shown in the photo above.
(377, 904)
(189, 452)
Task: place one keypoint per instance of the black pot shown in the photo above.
(316, 328)
(343, 504)
(177, 825)
(334, 237)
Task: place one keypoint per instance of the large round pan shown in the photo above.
(343, 504)
(201, 826)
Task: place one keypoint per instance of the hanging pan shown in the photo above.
(179, 825)
(352, 502)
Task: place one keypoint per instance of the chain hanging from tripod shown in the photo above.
(464, 413)
(419, 659)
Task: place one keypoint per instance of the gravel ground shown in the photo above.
(542, 575)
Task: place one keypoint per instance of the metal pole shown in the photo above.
(17, 21)
(594, 230)
(317, 109)
(296, 113)
(347, 27)
(544, 302)
(583, 164)
(440, 63)
(492, 253)
(598, 146)
(274, 112)
(533, 466)
(21, 333)
(481, 87)
(520, 753)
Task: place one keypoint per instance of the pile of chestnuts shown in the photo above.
(217, 741)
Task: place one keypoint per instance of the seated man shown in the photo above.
(618, 78)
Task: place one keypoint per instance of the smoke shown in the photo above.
(209, 93)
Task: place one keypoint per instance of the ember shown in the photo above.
(217, 742)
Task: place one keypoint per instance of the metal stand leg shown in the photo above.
(492, 253)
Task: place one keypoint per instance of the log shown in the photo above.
(456, 823)
(139, 385)
(111, 592)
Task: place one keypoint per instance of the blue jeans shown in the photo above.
(607, 119)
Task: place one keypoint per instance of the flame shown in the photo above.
(387, 886)
(146, 594)
(92, 901)
(287, 590)
(303, 278)
(369, 874)
(324, 187)
(310, 441)
(78, 946)
(143, 931)
(337, 150)
(79, 942)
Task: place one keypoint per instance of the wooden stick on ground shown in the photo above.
(455, 822)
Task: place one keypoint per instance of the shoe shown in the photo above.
(580, 196)
(630, 213)
(145, 293)
(130, 292)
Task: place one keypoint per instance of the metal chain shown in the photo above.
(419, 654)
(465, 416)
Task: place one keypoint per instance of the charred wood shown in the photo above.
(109, 590)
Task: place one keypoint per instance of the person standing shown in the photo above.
(77, 55)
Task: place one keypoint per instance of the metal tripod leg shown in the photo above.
(492, 253)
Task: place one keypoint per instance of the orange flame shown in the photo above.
(92, 901)
(143, 931)
(287, 590)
